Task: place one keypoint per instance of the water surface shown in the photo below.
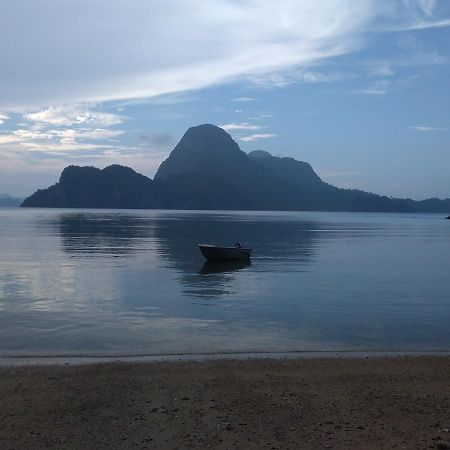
(82, 282)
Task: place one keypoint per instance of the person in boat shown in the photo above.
(238, 244)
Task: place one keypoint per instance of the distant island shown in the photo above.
(207, 170)
(7, 201)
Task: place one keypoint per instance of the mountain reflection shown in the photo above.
(102, 233)
(279, 245)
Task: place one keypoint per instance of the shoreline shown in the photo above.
(86, 359)
(309, 403)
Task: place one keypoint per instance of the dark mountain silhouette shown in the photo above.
(208, 170)
(7, 200)
(88, 187)
(299, 173)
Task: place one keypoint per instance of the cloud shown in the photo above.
(240, 126)
(243, 99)
(63, 146)
(116, 50)
(319, 77)
(119, 50)
(424, 14)
(428, 6)
(66, 115)
(279, 80)
(255, 137)
(261, 116)
(423, 25)
(381, 69)
(61, 140)
(3, 118)
(422, 128)
(64, 129)
(159, 139)
(383, 87)
(378, 87)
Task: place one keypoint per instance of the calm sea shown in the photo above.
(134, 282)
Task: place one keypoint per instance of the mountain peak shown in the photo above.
(200, 143)
(205, 128)
(259, 154)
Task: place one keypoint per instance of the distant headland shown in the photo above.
(7, 201)
(207, 170)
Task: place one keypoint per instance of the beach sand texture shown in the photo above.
(339, 403)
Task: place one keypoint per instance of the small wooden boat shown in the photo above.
(213, 252)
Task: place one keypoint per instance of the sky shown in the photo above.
(360, 89)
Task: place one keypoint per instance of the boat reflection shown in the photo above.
(278, 245)
(213, 267)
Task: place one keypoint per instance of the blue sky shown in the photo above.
(359, 89)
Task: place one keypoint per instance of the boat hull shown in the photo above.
(212, 253)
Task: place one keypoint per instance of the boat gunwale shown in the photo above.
(226, 248)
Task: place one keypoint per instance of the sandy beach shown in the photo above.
(339, 403)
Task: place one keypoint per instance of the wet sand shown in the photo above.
(370, 403)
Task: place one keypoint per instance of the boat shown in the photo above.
(213, 252)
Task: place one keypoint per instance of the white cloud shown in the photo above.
(261, 116)
(64, 129)
(287, 78)
(95, 134)
(3, 118)
(126, 50)
(27, 137)
(66, 115)
(423, 14)
(422, 128)
(255, 137)
(319, 77)
(378, 87)
(118, 50)
(381, 69)
(423, 25)
(243, 99)
(64, 145)
(426, 6)
(240, 126)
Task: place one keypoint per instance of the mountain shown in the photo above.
(208, 170)
(209, 161)
(88, 187)
(7, 200)
(296, 172)
(201, 149)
